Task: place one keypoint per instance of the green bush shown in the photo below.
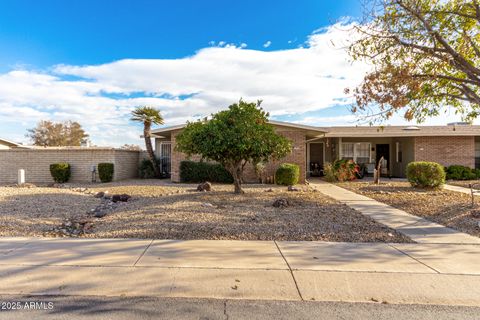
(287, 174)
(341, 170)
(477, 173)
(425, 174)
(146, 170)
(60, 172)
(192, 171)
(457, 172)
(105, 172)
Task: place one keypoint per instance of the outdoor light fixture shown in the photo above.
(94, 173)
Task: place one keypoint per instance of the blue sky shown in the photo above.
(94, 61)
(45, 33)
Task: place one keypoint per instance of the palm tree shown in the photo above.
(148, 116)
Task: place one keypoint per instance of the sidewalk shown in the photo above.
(451, 187)
(418, 229)
(260, 270)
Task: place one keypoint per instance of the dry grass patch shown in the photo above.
(176, 211)
(449, 208)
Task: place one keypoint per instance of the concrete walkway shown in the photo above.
(259, 270)
(458, 189)
(418, 229)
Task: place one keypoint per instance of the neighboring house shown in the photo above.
(314, 146)
(6, 144)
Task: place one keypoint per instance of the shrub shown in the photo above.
(146, 170)
(60, 172)
(341, 170)
(105, 172)
(329, 173)
(477, 173)
(425, 174)
(191, 171)
(260, 171)
(287, 174)
(457, 172)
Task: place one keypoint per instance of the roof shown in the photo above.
(11, 143)
(403, 131)
(161, 132)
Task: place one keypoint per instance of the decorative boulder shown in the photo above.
(292, 188)
(100, 194)
(281, 203)
(206, 186)
(120, 197)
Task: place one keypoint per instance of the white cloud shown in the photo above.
(267, 44)
(101, 97)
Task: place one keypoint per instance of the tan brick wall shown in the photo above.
(36, 163)
(298, 156)
(446, 150)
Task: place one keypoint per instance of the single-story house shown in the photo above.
(451, 144)
(7, 144)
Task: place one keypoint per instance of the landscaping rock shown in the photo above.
(100, 214)
(292, 188)
(120, 197)
(208, 205)
(281, 203)
(269, 190)
(25, 185)
(100, 194)
(71, 228)
(206, 186)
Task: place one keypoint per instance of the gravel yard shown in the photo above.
(163, 210)
(449, 208)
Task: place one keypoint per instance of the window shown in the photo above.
(477, 154)
(362, 152)
(359, 152)
(348, 151)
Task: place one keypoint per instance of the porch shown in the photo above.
(366, 151)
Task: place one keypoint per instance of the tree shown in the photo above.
(148, 116)
(234, 137)
(425, 56)
(131, 147)
(57, 134)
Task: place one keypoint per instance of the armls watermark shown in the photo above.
(26, 305)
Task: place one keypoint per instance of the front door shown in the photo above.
(383, 150)
(315, 159)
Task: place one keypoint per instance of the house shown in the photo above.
(451, 144)
(7, 144)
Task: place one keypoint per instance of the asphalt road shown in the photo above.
(73, 308)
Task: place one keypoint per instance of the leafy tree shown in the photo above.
(132, 147)
(426, 56)
(57, 134)
(233, 138)
(148, 116)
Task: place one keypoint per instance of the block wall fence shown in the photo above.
(36, 163)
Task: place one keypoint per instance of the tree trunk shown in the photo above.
(148, 145)
(237, 173)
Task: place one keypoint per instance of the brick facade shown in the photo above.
(36, 163)
(446, 150)
(297, 156)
